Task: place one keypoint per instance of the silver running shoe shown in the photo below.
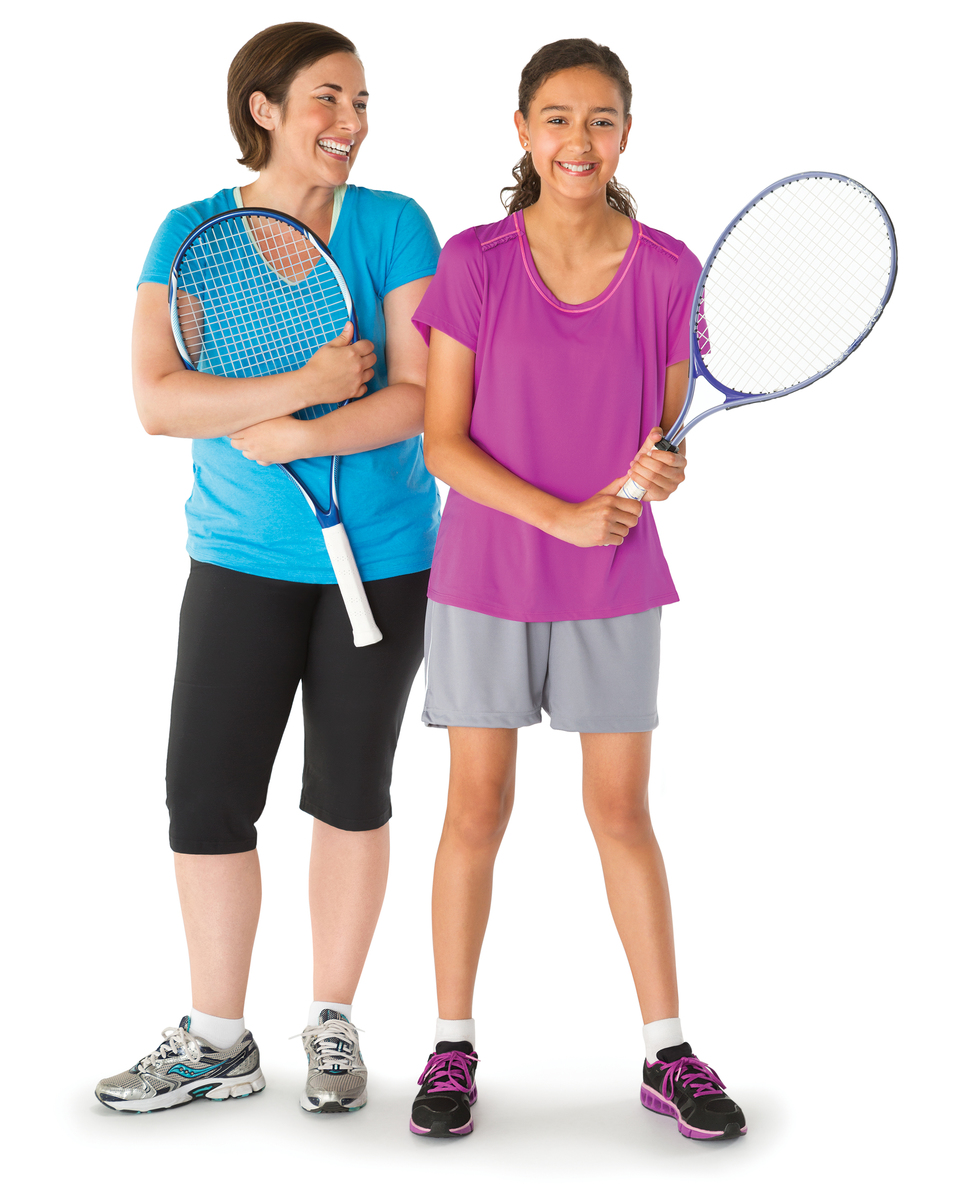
(336, 1076)
(181, 1069)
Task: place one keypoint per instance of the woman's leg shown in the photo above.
(348, 877)
(354, 701)
(616, 768)
(220, 901)
(482, 778)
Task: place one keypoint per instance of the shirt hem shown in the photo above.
(408, 565)
(497, 610)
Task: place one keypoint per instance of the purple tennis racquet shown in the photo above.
(253, 292)
(794, 284)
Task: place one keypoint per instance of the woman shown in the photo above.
(262, 612)
(558, 344)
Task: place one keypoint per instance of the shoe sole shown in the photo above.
(439, 1130)
(329, 1102)
(230, 1088)
(656, 1103)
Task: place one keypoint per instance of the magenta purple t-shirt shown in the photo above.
(564, 395)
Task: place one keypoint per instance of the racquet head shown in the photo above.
(792, 287)
(253, 292)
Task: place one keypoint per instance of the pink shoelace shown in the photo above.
(449, 1072)
(693, 1074)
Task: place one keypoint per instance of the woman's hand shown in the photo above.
(278, 441)
(340, 370)
(603, 520)
(659, 471)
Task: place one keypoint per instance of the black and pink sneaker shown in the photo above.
(679, 1085)
(442, 1107)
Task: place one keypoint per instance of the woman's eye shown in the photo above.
(360, 107)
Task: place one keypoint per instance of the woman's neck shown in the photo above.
(307, 202)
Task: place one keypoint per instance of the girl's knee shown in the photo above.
(622, 818)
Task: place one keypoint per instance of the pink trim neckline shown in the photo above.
(588, 305)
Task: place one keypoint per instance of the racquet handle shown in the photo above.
(365, 631)
(633, 490)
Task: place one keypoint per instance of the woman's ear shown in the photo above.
(263, 112)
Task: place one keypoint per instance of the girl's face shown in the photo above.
(576, 131)
(318, 134)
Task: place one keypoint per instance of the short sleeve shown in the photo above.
(167, 241)
(678, 313)
(454, 299)
(415, 248)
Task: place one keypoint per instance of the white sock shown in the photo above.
(317, 1007)
(221, 1032)
(456, 1031)
(659, 1035)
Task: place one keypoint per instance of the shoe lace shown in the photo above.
(334, 1043)
(176, 1043)
(692, 1074)
(449, 1072)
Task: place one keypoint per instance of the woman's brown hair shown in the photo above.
(548, 60)
(268, 64)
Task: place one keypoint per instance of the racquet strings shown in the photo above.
(256, 297)
(795, 284)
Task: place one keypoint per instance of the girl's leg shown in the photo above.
(348, 877)
(616, 768)
(482, 778)
(220, 901)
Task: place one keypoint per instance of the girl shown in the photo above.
(558, 344)
(262, 612)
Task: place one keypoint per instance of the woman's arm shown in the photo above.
(659, 471)
(179, 403)
(392, 414)
(451, 455)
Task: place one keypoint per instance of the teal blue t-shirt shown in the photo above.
(253, 519)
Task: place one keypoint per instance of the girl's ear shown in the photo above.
(522, 131)
(263, 112)
(626, 134)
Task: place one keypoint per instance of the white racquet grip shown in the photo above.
(632, 490)
(365, 631)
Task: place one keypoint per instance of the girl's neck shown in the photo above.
(576, 226)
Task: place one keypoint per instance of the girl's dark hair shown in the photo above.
(548, 60)
(268, 64)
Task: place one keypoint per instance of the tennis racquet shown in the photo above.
(253, 292)
(793, 285)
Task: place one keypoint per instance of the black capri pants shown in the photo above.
(246, 643)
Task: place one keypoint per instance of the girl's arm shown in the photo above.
(659, 471)
(451, 455)
(392, 414)
(179, 403)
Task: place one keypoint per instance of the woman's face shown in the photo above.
(575, 131)
(318, 134)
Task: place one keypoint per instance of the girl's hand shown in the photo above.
(340, 370)
(659, 471)
(603, 520)
(278, 441)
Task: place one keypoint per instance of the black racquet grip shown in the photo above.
(663, 444)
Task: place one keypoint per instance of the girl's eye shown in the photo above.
(360, 106)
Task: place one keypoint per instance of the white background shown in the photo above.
(802, 788)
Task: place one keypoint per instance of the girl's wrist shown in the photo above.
(551, 514)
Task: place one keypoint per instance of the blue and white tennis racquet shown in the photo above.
(793, 285)
(253, 292)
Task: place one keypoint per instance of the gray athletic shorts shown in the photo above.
(590, 676)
